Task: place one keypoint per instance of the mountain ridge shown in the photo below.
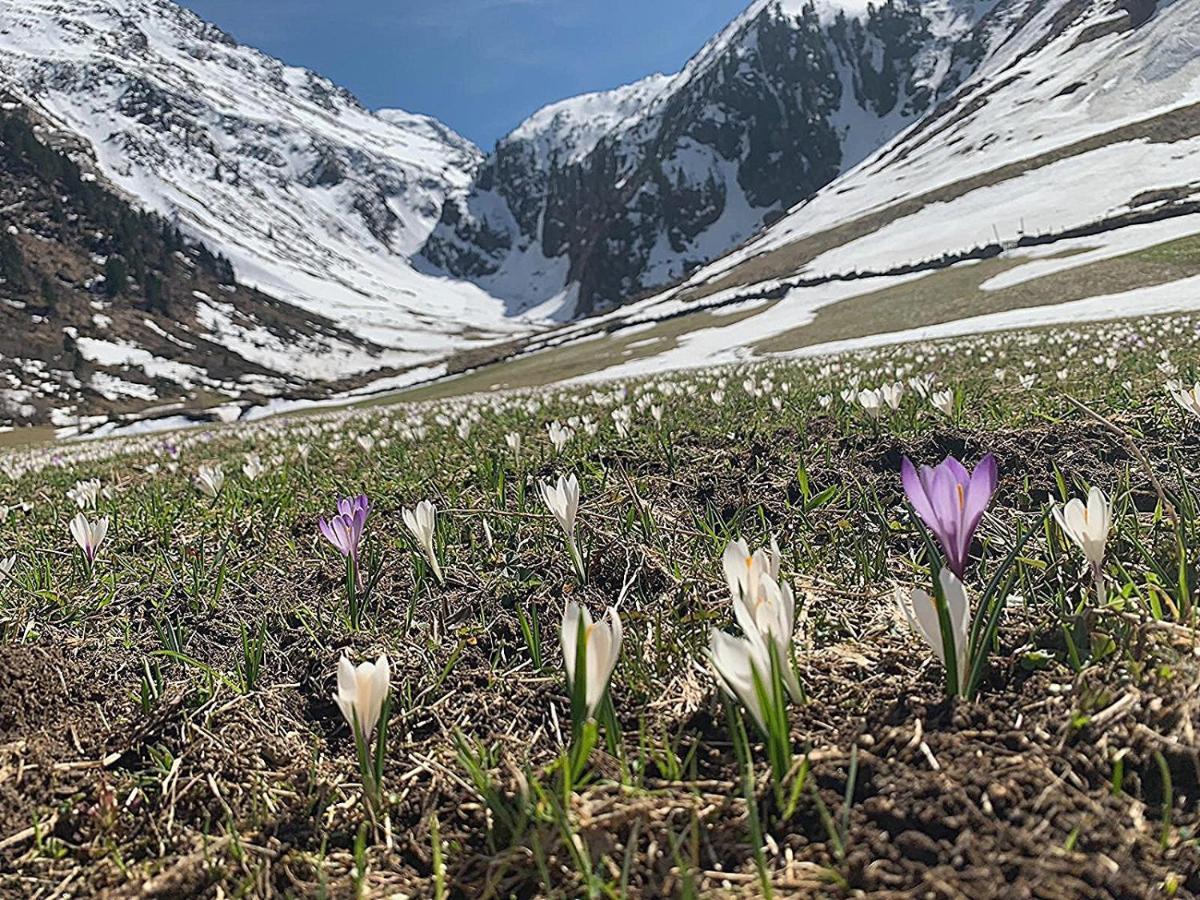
(108, 310)
(720, 148)
(919, 139)
(316, 200)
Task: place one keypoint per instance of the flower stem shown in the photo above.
(577, 560)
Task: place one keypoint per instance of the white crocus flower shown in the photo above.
(422, 522)
(602, 648)
(85, 493)
(922, 384)
(513, 440)
(253, 467)
(764, 607)
(1088, 525)
(892, 394)
(562, 499)
(920, 611)
(362, 692)
(89, 535)
(210, 480)
(773, 615)
(1188, 398)
(872, 401)
(943, 402)
(744, 570)
(736, 662)
(560, 436)
(621, 418)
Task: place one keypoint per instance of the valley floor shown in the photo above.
(167, 726)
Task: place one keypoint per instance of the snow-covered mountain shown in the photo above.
(1080, 115)
(316, 200)
(566, 132)
(1059, 182)
(109, 311)
(595, 200)
(814, 153)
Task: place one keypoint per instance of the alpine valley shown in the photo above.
(190, 228)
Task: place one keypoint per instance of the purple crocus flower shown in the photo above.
(345, 529)
(353, 506)
(951, 501)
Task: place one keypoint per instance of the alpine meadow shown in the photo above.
(774, 479)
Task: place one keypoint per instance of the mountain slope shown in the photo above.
(883, 170)
(1060, 182)
(788, 96)
(106, 309)
(1081, 113)
(314, 199)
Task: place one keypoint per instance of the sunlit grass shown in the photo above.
(186, 726)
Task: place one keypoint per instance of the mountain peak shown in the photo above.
(569, 129)
(598, 199)
(315, 199)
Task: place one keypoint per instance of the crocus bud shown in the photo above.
(602, 649)
(89, 535)
(1088, 525)
(422, 522)
(362, 691)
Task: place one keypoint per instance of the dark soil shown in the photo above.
(1051, 786)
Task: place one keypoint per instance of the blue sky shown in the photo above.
(481, 66)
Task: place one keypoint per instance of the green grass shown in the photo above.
(957, 293)
(166, 722)
(1183, 253)
(574, 360)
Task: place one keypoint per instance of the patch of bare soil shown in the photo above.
(1013, 796)
(56, 715)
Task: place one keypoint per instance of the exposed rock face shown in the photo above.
(106, 309)
(601, 206)
(316, 199)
